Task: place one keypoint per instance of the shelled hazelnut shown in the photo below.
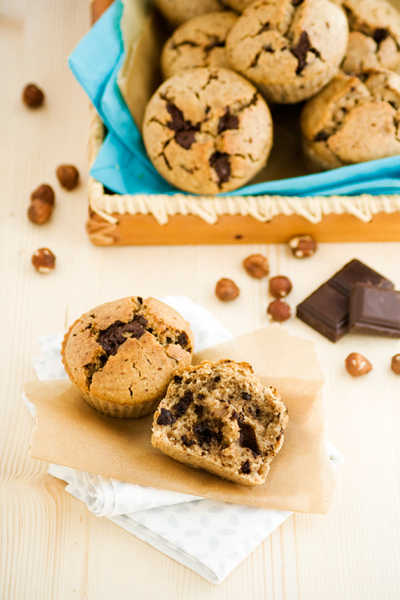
(303, 246)
(226, 290)
(44, 260)
(357, 365)
(32, 96)
(396, 364)
(279, 311)
(280, 286)
(256, 265)
(42, 203)
(68, 176)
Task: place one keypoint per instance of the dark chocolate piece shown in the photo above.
(357, 272)
(327, 309)
(375, 311)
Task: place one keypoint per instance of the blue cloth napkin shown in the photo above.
(122, 164)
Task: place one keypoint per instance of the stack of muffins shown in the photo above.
(208, 128)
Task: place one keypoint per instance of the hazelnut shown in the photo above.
(32, 96)
(226, 290)
(279, 311)
(44, 192)
(39, 212)
(303, 246)
(357, 365)
(256, 265)
(43, 260)
(396, 364)
(42, 202)
(68, 176)
(280, 286)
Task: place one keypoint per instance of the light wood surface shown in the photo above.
(51, 546)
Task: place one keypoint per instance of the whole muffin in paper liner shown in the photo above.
(122, 355)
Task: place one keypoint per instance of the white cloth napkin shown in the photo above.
(209, 537)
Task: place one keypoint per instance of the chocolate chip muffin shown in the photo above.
(374, 40)
(178, 11)
(219, 418)
(122, 355)
(207, 130)
(290, 49)
(354, 119)
(199, 42)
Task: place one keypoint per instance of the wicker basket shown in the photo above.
(184, 219)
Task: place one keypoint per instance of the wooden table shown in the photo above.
(51, 546)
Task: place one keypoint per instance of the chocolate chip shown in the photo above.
(219, 161)
(183, 339)
(206, 434)
(113, 337)
(166, 417)
(245, 468)
(201, 396)
(217, 379)
(246, 396)
(300, 51)
(184, 130)
(187, 442)
(297, 2)
(321, 136)
(199, 410)
(177, 379)
(247, 438)
(186, 138)
(228, 121)
(380, 34)
(182, 405)
(235, 415)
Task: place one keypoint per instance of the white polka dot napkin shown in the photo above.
(209, 537)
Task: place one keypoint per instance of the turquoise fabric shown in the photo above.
(122, 164)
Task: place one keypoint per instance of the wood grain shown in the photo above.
(51, 546)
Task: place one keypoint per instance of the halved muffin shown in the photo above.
(219, 418)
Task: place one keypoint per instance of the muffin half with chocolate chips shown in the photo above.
(219, 418)
(122, 355)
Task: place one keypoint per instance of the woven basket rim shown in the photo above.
(209, 208)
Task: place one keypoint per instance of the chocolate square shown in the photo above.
(327, 309)
(374, 311)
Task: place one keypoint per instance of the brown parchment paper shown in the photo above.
(71, 433)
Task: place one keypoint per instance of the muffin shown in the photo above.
(178, 11)
(238, 5)
(122, 355)
(207, 130)
(289, 49)
(199, 42)
(219, 418)
(353, 120)
(374, 40)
